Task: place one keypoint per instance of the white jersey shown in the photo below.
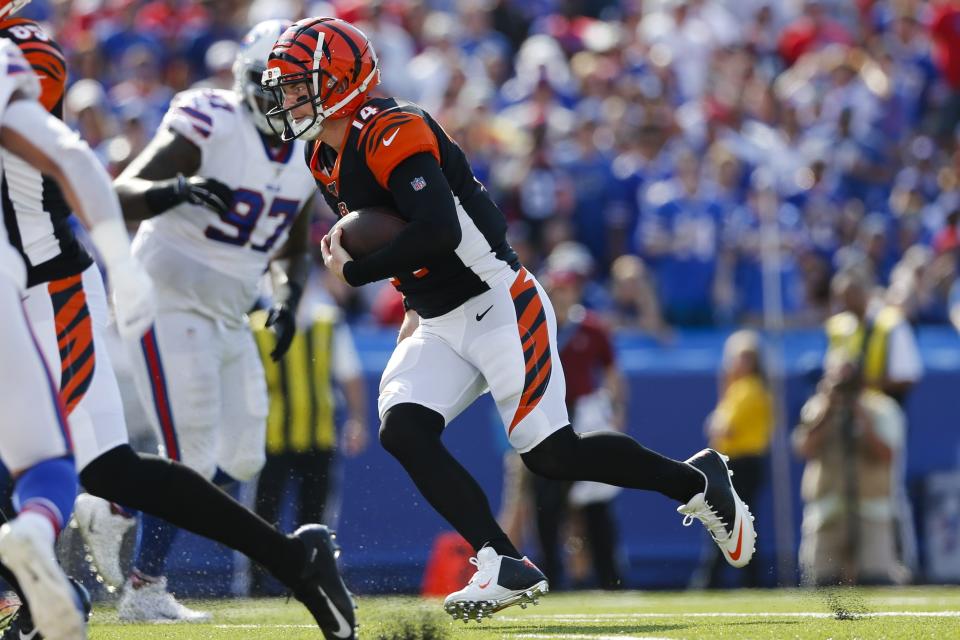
(16, 76)
(205, 263)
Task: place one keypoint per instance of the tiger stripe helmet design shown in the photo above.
(324, 63)
(44, 55)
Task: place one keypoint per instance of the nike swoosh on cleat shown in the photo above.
(388, 141)
(485, 584)
(735, 555)
(343, 627)
(28, 636)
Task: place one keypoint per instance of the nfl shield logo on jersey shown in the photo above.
(418, 183)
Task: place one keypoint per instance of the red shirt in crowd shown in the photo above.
(945, 30)
(586, 351)
(805, 35)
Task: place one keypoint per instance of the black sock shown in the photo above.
(411, 433)
(182, 497)
(613, 458)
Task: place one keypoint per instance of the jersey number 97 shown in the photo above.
(243, 216)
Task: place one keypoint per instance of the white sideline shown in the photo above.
(582, 636)
(608, 617)
(599, 617)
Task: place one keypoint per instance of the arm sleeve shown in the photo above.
(423, 197)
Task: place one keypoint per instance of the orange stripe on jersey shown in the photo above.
(73, 392)
(74, 303)
(74, 338)
(393, 136)
(57, 286)
(535, 342)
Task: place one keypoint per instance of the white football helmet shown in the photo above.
(249, 67)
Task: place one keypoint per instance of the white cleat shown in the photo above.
(102, 531)
(151, 602)
(721, 510)
(26, 548)
(498, 583)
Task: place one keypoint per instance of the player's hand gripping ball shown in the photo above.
(358, 234)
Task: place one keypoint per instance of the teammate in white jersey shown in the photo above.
(219, 195)
(67, 308)
(35, 441)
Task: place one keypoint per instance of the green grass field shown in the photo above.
(870, 614)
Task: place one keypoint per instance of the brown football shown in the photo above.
(367, 230)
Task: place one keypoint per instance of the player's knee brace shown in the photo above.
(406, 427)
(556, 456)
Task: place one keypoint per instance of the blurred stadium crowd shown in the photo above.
(677, 158)
(661, 136)
(670, 161)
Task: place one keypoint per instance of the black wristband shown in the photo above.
(166, 194)
(353, 277)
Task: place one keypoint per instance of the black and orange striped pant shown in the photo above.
(503, 340)
(69, 317)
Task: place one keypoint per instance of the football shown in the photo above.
(367, 230)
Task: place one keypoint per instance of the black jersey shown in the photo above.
(383, 133)
(35, 212)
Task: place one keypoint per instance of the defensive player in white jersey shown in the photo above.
(35, 441)
(219, 194)
(67, 308)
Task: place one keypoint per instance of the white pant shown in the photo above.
(504, 340)
(70, 319)
(203, 387)
(32, 427)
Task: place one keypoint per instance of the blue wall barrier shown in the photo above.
(387, 529)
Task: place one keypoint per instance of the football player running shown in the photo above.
(476, 319)
(219, 195)
(67, 307)
(35, 440)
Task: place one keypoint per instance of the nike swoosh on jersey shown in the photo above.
(388, 141)
(480, 315)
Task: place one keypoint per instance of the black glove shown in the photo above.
(207, 192)
(283, 319)
(284, 324)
